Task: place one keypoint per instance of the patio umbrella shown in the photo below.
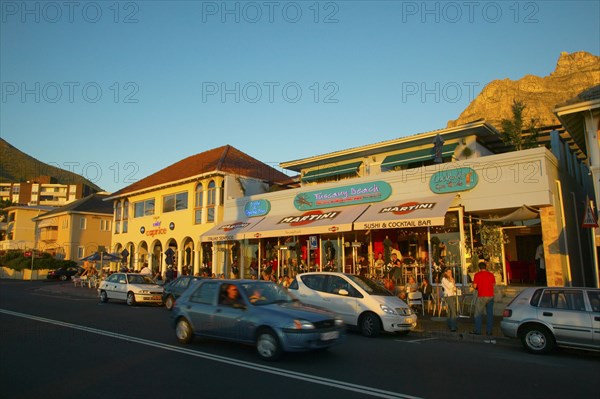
(101, 256)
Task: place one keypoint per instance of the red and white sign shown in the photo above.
(589, 218)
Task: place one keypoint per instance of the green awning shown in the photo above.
(427, 154)
(332, 171)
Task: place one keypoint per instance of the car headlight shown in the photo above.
(299, 324)
(339, 322)
(387, 309)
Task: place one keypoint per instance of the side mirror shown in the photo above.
(343, 292)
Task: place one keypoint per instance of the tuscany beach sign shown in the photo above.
(348, 195)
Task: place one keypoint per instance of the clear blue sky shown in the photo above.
(116, 91)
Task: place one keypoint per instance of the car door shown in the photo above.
(594, 299)
(229, 320)
(565, 310)
(339, 296)
(201, 306)
(112, 285)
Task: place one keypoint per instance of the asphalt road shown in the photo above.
(58, 345)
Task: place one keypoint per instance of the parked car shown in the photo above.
(130, 287)
(175, 288)
(259, 313)
(545, 317)
(63, 273)
(361, 302)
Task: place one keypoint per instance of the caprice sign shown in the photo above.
(347, 195)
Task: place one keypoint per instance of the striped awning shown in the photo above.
(332, 171)
(425, 155)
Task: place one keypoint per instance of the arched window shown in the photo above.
(222, 193)
(118, 212)
(211, 196)
(125, 215)
(199, 197)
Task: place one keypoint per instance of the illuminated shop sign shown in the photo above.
(453, 180)
(346, 195)
(156, 229)
(308, 217)
(257, 208)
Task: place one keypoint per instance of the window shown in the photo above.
(125, 224)
(82, 223)
(211, 195)
(175, 202)
(126, 210)
(198, 202)
(563, 299)
(206, 294)
(65, 223)
(117, 227)
(118, 211)
(80, 252)
(594, 297)
(143, 208)
(104, 225)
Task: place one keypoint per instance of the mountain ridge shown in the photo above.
(18, 167)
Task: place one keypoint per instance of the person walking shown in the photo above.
(449, 287)
(484, 282)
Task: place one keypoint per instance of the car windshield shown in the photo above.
(266, 293)
(138, 279)
(370, 286)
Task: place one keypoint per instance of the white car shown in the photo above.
(359, 301)
(130, 287)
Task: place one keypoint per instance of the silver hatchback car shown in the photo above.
(545, 317)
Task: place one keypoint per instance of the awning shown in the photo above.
(332, 171)
(427, 154)
(525, 212)
(429, 211)
(229, 231)
(50, 222)
(320, 221)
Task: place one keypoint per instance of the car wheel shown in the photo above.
(183, 331)
(63, 277)
(268, 346)
(169, 302)
(130, 299)
(103, 296)
(537, 339)
(370, 326)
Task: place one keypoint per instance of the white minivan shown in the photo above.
(361, 302)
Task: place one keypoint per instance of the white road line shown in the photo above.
(415, 341)
(234, 362)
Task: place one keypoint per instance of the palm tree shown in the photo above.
(512, 132)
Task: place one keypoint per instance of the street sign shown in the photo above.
(589, 218)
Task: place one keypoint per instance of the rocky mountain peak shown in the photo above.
(574, 73)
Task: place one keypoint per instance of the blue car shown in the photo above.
(175, 288)
(253, 312)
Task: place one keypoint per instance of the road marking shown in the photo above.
(415, 341)
(315, 379)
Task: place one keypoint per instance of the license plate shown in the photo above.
(328, 336)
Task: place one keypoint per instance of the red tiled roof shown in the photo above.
(225, 159)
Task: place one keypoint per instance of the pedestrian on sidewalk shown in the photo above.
(484, 282)
(449, 287)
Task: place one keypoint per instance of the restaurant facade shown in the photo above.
(446, 198)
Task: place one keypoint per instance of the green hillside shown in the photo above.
(16, 166)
